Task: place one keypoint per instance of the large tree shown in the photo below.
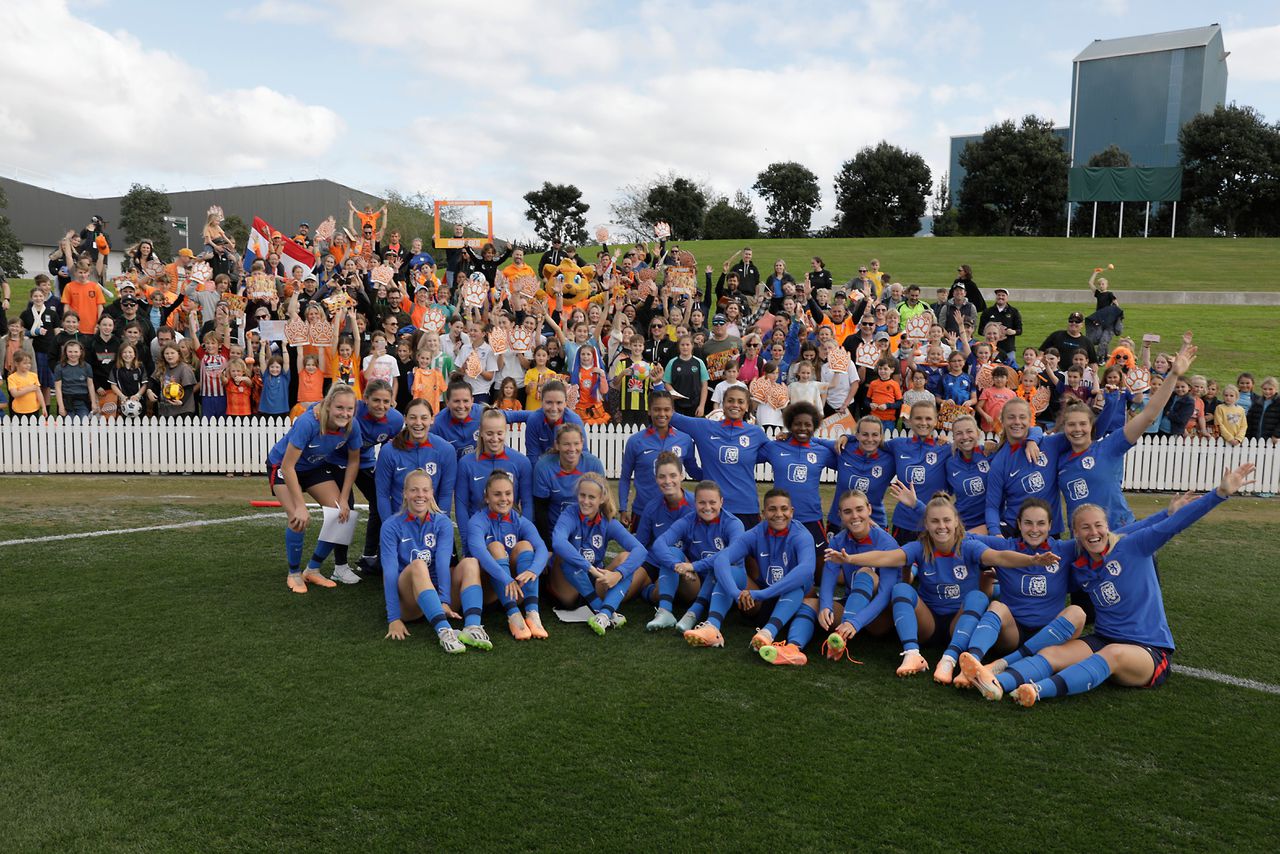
(791, 195)
(1015, 181)
(632, 213)
(727, 220)
(682, 204)
(10, 246)
(236, 228)
(142, 213)
(557, 210)
(1231, 171)
(881, 192)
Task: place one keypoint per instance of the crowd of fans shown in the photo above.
(202, 335)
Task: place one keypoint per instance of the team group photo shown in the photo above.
(714, 427)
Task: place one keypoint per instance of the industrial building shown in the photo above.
(1136, 93)
(41, 216)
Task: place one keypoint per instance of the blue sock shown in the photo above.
(1058, 631)
(524, 560)
(720, 604)
(801, 631)
(530, 596)
(293, 548)
(647, 593)
(1076, 679)
(618, 592)
(429, 602)
(472, 605)
(904, 616)
(1028, 670)
(985, 635)
(975, 603)
(783, 611)
(668, 582)
(861, 590)
(699, 606)
(323, 549)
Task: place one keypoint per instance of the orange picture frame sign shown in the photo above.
(460, 242)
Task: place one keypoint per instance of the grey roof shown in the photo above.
(40, 216)
(1153, 43)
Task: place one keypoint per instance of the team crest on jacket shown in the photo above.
(961, 572)
(719, 544)
(1108, 593)
(510, 541)
(1042, 460)
(677, 450)
(420, 554)
(597, 540)
(876, 471)
(429, 541)
(984, 466)
(811, 457)
(431, 469)
(931, 458)
(775, 574)
(1113, 567)
(744, 441)
(1086, 463)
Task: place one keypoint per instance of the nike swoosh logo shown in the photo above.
(481, 477)
(404, 540)
(401, 468)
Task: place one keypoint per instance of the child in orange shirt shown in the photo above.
(509, 395)
(429, 382)
(310, 384)
(239, 389)
(884, 395)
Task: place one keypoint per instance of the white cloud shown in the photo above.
(1253, 54)
(81, 102)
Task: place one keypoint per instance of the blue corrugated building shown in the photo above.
(1136, 93)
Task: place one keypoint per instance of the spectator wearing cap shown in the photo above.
(176, 272)
(721, 348)
(303, 237)
(958, 311)
(1007, 316)
(1068, 341)
(126, 289)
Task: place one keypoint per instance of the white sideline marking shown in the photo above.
(171, 526)
(1225, 679)
(1182, 669)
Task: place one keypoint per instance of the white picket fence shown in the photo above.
(33, 445)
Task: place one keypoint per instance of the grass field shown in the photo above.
(163, 691)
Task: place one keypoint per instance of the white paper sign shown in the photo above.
(337, 532)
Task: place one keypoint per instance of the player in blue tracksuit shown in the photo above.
(1020, 469)
(581, 538)
(1131, 643)
(410, 450)
(459, 425)
(540, 424)
(798, 463)
(967, 469)
(685, 555)
(303, 461)
(921, 461)
(555, 477)
(1029, 615)
(867, 589)
(416, 546)
(864, 465)
(640, 455)
(510, 550)
(378, 421)
(949, 603)
(784, 554)
(729, 450)
(492, 454)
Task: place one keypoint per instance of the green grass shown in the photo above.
(1155, 264)
(163, 691)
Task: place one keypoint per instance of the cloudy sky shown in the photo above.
(487, 100)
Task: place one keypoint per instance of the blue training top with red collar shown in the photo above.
(786, 559)
(395, 464)
(640, 455)
(697, 542)
(474, 471)
(728, 451)
(406, 538)
(318, 448)
(868, 473)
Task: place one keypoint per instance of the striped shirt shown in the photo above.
(211, 367)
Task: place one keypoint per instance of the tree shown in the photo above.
(412, 215)
(791, 195)
(946, 219)
(1016, 180)
(727, 220)
(10, 246)
(881, 192)
(239, 232)
(631, 210)
(557, 210)
(1230, 159)
(142, 213)
(682, 204)
(1111, 157)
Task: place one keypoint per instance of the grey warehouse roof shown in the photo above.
(1153, 43)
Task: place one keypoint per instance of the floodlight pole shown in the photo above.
(1068, 219)
(1146, 223)
(1094, 232)
(1174, 223)
(1120, 230)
